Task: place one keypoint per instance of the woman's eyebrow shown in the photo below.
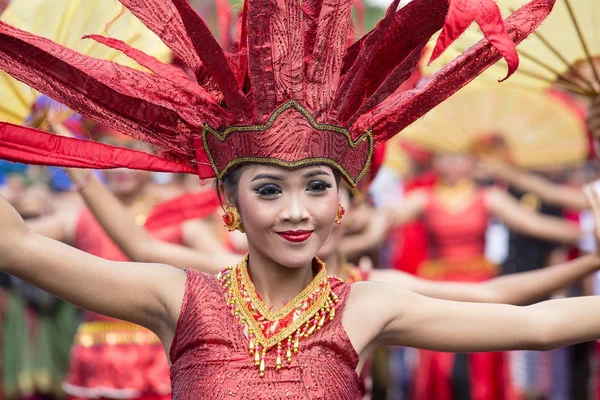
(267, 176)
(313, 173)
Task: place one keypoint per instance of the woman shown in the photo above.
(281, 163)
(456, 212)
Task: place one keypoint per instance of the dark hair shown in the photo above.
(232, 178)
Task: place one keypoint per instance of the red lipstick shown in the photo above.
(295, 236)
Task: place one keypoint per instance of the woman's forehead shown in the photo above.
(252, 170)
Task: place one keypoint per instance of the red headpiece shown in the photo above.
(291, 94)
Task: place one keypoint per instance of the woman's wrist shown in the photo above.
(81, 182)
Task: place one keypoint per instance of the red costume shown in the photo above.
(207, 359)
(457, 241)
(456, 247)
(293, 92)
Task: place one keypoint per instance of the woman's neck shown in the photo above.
(129, 199)
(333, 264)
(462, 185)
(277, 284)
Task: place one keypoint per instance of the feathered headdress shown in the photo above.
(70, 20)
(293, 93)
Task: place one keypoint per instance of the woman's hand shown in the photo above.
(79, 176)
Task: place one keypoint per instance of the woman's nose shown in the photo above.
(295, 210)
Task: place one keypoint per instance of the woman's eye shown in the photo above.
(268, 191)
(318, 186)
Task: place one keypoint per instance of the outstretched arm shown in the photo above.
(418, 321)
(199, 234)
(59, 225)
(550, 192)
(518, 289)
(133, 239)
(146, 294)
(519, 219)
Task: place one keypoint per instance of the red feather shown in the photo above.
(214, 59)
(260, 58)
(402, 109)
(174, 74)
(162, 18)
(142, 105)
(399, 75)
(324, 63)
(462, 13)
(287, 38)
(311, 9)
(30, 146)
(413, 26)
(347, 98)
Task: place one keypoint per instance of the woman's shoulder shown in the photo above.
(198, 279)
(200, 290)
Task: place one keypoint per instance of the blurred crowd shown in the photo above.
(439, 205)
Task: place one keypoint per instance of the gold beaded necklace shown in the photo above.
(283, 330)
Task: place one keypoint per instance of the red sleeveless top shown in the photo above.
(210, 359)
(456, 235)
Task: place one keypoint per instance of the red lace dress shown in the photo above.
(456, 247)
(210, 359)
(110, 358)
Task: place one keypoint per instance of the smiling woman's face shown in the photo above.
(287, 214)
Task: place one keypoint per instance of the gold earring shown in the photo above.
(340, 214)
(232, 219)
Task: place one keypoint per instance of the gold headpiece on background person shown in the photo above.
(65, 22)
(538, 131)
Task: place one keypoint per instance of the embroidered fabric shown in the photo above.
(209, 354)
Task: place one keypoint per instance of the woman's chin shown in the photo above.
(296, 258)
